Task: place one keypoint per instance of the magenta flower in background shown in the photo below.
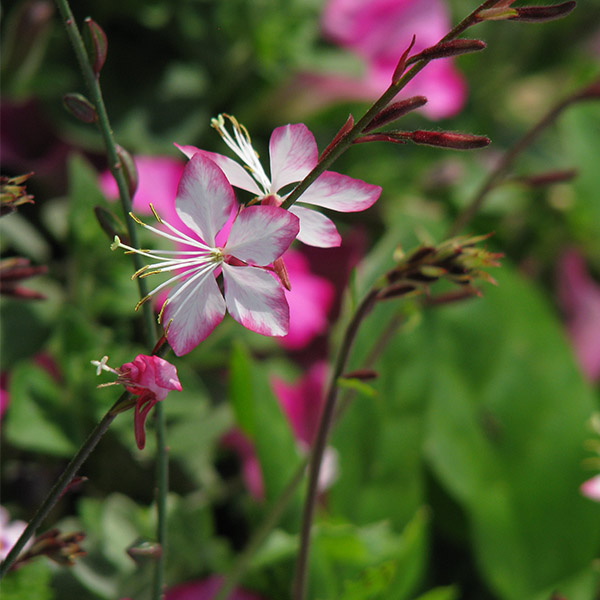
(150, 378)
(259, 235)
(591, 488)
(309, 300)
(158, 177)
(10, 532)
(378, 32)
(205, 589)
(302, 403)
(293, 154)
(579, 296)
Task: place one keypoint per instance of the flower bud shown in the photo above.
(394, 111)
(538, 14)
(80, 107)
(97, 45)
(129, 170)
(344, 129)
(447, 139)
(399, 70)
(447, 49)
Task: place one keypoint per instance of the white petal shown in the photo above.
(315, 228)
(260, 234)
(256, 300)
(196, 311)
(205, 199)
(341, 193)
(235, 173)
(293, 153)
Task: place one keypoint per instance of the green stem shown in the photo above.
(62, 483)
(114, 164)
(261, 533)
(348, 139)
(505, 164)
(318, 448)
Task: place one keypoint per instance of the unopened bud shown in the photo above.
(378, 137)
(447, 139)
(548, 178)
(394, 111)
(399, 70)
(591, 92)
(110, 223)
(282, 274)
(361, 374)
(129, 170)
(399, 290)
(538, 14)
(498, 13)
(80, 107)
(97, 45)
(447, 49)
(344, 129)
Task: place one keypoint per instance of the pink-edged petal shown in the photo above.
(315, 228)
(195, 313)
(256, 300)
(591, 488)
(235, 173)
(205, 198)
(260, 234)
(341, 193)
(293, 153)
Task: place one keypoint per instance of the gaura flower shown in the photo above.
(150, 378)
(205, 589)
(258, 236)
(293, 154)
(10, 532)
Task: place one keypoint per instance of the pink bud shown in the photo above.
(538, 14)
(98, 45)
(447, 139)
(447, 49)
(394, 111)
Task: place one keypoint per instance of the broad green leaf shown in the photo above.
(38, 419)
(505, 433)
(255, 405)
(29, 582)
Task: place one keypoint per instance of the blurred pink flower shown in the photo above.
(302, 403)
(158, 177)
(378, 32)
(4, 396)
(309, 300)
(591, 488)
(10, 532)
(205, 589)
(579, 296)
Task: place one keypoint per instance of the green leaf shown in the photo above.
(29, 582)
(505, 433)
(262, 419)
(37, 419)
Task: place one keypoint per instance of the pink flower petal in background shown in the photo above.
(302, 401)
(309, 300)
(378, 32)
(591, 488)
(251, 474)
(205, 589)
(10, 532)
(579, 296)
(158, 177)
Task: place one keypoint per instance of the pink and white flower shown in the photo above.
(293, 154)
(258, 236)
(150, 378)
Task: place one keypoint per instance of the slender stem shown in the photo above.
(318, 449)
(506, 162)
(62, 483)
(261, 533)
(162, 488)
(346, 141)
(114, 164)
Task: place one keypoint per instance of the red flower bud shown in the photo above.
(446, 49)
(538, 14)
(97, 45)
(394, 111)
(80, 107)
(344, 129)
(447, 139)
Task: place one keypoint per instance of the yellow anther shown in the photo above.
(155, 214)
